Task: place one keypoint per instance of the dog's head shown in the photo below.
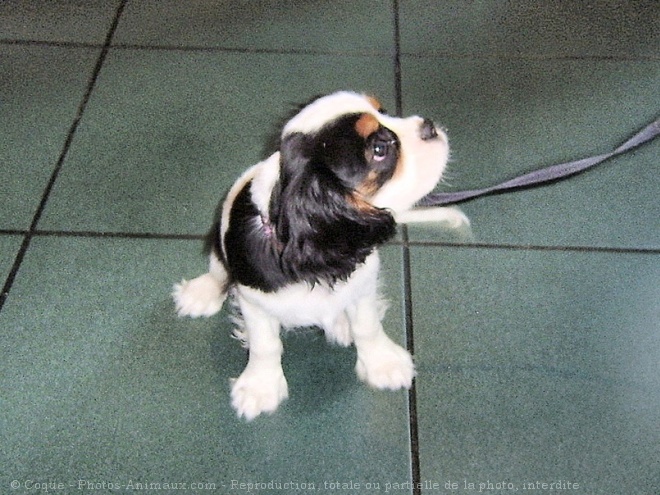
(345, 169)
(388, 162)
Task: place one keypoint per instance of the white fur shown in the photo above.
(349, 312)
(315, 115)
(262, 386)
(450, 215)
(204, 295)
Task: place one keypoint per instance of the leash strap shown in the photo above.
(548, 174)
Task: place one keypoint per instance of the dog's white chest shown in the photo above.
(302, 305)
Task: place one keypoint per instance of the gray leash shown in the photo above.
(544, 175)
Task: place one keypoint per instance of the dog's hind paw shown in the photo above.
(202, 296)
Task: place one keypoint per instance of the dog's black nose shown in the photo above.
(427, 131)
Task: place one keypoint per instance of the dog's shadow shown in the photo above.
(320, 374)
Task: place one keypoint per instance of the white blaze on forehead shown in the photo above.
(327, 109)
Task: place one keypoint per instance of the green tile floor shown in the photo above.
(536, 332)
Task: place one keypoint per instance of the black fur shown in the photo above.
(318, 229)
(325, 235)
(253, 253)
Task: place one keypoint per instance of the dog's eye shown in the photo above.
(381, 149)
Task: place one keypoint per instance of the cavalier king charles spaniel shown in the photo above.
(296, 240)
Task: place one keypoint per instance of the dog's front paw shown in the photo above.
(386, 366)
(202, 296)
(450, 216)
(256, 392)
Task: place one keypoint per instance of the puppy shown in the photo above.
(297, 235)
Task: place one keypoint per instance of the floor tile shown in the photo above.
(79, 21)
(40, 90)
(539, 29)
(344, 26)
(166, 133)
(507, 117)
(72, 307)
(104, 377)
(537, 366)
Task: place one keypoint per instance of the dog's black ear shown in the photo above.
(325, 228)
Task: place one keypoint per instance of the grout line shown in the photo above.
(18, 260)
(12, 232)
(532, 57)
(407, 293)
(299, 51)
(531, 247)
(410, 344)
(52, 44)
(195, 48)
(248, 51)
(11, 276)
(395, 242)
(415, 472)
(397, 59)
(117, 235)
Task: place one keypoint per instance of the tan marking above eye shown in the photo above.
(366, 125)
(374, 103)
